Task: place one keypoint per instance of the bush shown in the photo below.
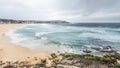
(108, 55)
(88, 56)
(117, 66)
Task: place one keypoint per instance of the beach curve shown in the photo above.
(12, 52)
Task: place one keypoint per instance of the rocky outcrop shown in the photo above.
(108, 49)
(67, 61)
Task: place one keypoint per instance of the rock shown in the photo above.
(66, 66)
(107, 49)
(8, 66)
(1, 63)
(78, 64)
(96, 47)
(44, 60)
(53, 55)
(53, 65)
(58, 51)
(104, 49)
(86, 51)
(65, 61)
(60, 66)
(36, 66)
(42, 63)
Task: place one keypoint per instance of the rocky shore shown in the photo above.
(102, 49)
(11, 21)
(67, 61)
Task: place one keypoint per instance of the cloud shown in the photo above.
(77, 10)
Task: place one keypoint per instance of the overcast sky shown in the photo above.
(69, 10)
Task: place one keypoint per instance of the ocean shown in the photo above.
(67, 37)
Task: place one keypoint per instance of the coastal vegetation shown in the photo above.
(11, 21)
(117, 66)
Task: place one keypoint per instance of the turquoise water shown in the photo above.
(67, 37)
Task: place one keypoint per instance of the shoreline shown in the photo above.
(13, 55)
(12, 52)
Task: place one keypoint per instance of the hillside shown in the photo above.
(7, 21)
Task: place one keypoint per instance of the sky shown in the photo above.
(69, 10)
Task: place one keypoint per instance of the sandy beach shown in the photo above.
(12, 52)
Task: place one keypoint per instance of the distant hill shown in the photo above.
(11, 21)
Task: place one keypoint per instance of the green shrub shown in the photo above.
(117, 66)
(88, 56)
(108, 55)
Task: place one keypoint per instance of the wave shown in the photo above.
(42, 33)
(63, 36)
